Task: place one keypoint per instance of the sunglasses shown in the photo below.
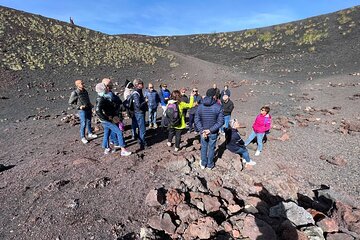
(151, 87)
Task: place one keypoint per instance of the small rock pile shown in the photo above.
(209, 210)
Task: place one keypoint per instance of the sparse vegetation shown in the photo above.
(266, 36)
(343, 17)
(311, 36)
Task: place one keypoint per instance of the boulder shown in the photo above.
(187, 214)
(155, 198)
(328, 225)
(282, 187)
(289, 231)
(313, 233)
(339, 236)
(215, 185)
(291, 211)
(203, 228)
(211, 204)
(173, 197)
(175, 164)
(195, 184)
(227, 195)
(256, 229)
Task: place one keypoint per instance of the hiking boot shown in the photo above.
(257, 153)
(84, 140)
(107, 151)
(168, 144)
(125, 153)
(92, 136)
(251, 163)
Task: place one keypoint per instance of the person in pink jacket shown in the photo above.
(260, 127)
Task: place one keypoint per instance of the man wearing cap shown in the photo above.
(140, 108)
(209, 118)
(80, 97)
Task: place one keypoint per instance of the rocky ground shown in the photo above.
(305, 184)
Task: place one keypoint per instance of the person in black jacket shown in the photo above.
(228, 107)
(225, 91)
(140, 108)
(80, 97)
(106, 112)
(208, 120)
(235, 144)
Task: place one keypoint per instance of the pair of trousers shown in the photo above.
(85, 122)
(110, 128)
(138, 121)
(244, 153)
(177, 133)
(152, 115)
(226, 122)
(259, 138)
(208, 145)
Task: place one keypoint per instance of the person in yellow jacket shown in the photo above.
(177, 130)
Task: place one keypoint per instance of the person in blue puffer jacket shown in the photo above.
(153, 101)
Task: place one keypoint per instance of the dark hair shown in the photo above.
(176, 95)
(266, 108)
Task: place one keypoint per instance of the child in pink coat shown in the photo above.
(260, 127)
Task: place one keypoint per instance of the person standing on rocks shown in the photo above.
(106, 112)
(209, 118)
(164, 95)
(80, 98)
(192, 111)
(177, 130)
(235, 144)
(260, 127)
(153, 101)
(225, 91)
(140, 108)
(228, 107)
(217, 91)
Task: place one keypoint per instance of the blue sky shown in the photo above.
(180, 17)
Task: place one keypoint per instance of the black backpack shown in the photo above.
(172, 115)
(129, 104)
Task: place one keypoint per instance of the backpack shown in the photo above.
(172, 115)
(129, 104)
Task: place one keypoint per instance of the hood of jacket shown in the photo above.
(208, 101)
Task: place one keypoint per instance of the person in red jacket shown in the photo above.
(260, 127)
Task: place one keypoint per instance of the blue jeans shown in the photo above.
(110, 127)
(244, 153)
(226, 122)
(191, 122)
(208, 150)
(85, 121)
(152, 115)
(259, 137)
(138, 120)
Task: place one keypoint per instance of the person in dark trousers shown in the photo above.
(106, 112)
(235, 144)
(164, 95)
(184, 99)
(225, 91)
(217, 94)
(209, 118)
(192, 111)
(153, 101)
(140, 108)
(228, 107)
(80, 98)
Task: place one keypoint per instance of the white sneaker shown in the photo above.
(169, 144)
(202, 167)
(84, 140)
(257, 153)
(117, 147)
(155, 126)
(107, 151)
(243, 161)
(125, 153)
(251, 163)
(91, 135)
(176, 149)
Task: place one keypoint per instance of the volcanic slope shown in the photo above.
(53, 186)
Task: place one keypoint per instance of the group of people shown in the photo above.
(209, 116)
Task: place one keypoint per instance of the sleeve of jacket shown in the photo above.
(268, 124)
(185, 105)
(198, 123)
(231, 106)
(99, 110)
(219, 121)
(157, 98)
(73, 98)
(136, 99)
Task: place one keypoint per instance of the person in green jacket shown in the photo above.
(177, 130)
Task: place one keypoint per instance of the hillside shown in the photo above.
(305, 184)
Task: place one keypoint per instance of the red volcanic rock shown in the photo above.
(339, 236)
(328, 225)
(173, 197)
(154, 198)
(236, 233)
(211, 204)
(257, 229)
(284, 137)
(187, 214)
(337, 160)
(227, 227)
(203, 228)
